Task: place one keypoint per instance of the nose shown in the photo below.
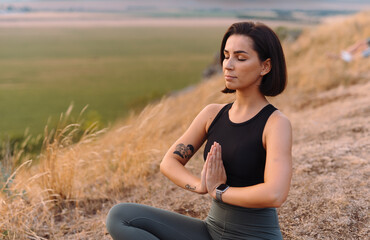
(228, 64)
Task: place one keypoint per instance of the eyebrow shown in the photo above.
(239, 51)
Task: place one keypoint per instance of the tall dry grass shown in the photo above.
(67, 195)
(310, 67)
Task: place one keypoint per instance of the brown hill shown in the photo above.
(67, 195)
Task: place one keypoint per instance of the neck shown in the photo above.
(249, 99)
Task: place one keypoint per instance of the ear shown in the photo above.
(266, 67)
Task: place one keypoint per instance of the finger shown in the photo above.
(217, 155)
(205, 165)
(215, 166)
(208, 173)
(214, 149)
(210, 152)
(204, 174)
(218, 163)
(211, 158)
(218, 152)
(211, 164)
(208, 156)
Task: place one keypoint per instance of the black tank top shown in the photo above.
(243, 154)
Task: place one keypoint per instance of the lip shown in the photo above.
(229, 77)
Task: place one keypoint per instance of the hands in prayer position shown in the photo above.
(213, 173)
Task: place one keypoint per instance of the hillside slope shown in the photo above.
(68, 194)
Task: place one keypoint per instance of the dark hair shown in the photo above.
(267, 45)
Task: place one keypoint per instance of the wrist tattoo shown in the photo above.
(183, 151)
(187, 186)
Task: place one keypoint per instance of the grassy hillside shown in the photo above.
(44, 70)
(67, 195)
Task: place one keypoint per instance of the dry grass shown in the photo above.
(311, 69)
(67, 195)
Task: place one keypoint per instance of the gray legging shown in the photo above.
(129, 221)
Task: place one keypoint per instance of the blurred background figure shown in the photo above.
(359, 49)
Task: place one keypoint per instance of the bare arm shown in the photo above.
(278, 171)
(173, 163)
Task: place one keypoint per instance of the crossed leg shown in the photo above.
(130, 221)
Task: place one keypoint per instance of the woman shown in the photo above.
(248, 165)
(359, 49)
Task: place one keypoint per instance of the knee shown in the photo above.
(116, 215)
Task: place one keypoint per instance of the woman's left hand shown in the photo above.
(215, 174)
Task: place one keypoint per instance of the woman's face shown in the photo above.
(242, 68)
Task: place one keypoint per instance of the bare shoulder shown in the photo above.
(278, 119)
(213, 108)
(278, 124)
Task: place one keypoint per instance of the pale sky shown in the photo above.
(194, 4)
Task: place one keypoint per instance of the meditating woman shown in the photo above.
(248, 164)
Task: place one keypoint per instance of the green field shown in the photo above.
(113, 70)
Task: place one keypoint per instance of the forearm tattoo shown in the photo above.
(187, 186)
(183, 151)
